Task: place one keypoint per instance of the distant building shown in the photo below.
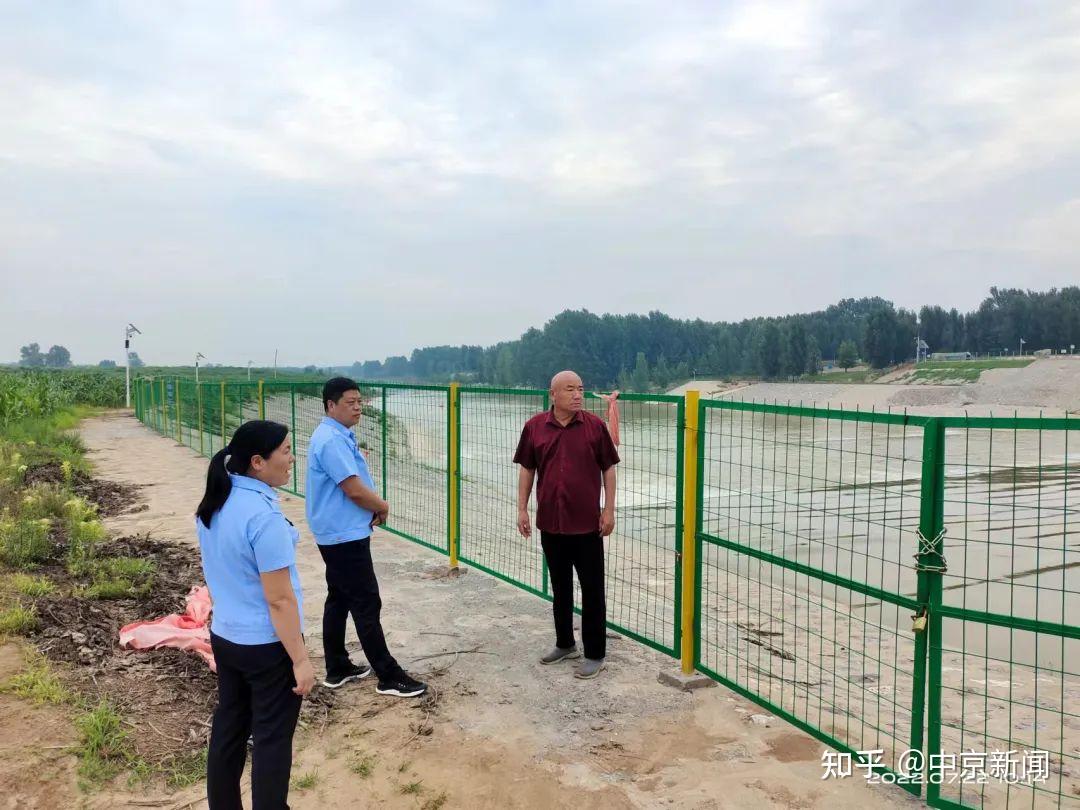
(950, 356)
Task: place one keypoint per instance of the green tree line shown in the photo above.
(639, 352)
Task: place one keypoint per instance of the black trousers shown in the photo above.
(255, 697)
(352, 589)
(585, 552)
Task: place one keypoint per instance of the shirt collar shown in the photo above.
(551, 420)
(253, 484)
(336, 425)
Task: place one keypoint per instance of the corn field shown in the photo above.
(33, 394)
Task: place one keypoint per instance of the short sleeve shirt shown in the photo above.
(248, 536)
(333, 456)
(569, 461)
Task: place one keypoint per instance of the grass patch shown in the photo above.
(119, 577)
(116, 588)
(32, 586)
(980, 365)
(412, 788)
(46, 501)
(105, 747)
(954, 371)
(363, 766)
(435, 802)
(306, 781)
(17, 621)
(37, 684)
(864, 375)
(186, 770)
(124, 567)
(944, 375)
(24, 543)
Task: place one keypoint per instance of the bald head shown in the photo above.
(567, 394)
(565, 378)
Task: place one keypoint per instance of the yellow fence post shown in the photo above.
(223, 439)
(691, 449)
(454, 466)
(198, 405)
(262, 401)
(179, 430)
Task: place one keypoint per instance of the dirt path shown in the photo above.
(504, 732)
(37, 769)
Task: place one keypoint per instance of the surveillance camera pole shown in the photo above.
(129, 330)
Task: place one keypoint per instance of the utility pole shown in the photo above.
(130, 330)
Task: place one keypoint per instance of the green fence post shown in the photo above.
(292, 412)
(453, 471)
(384, 469)
(930, 565)
(198, 406)
(536, 531)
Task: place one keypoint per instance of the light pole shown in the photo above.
(198, 356)
(130, 330)
(275, 364)
(1022, 342)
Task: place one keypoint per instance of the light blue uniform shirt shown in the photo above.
(247, 537)
(333, 456)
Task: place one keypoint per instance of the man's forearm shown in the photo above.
(525, 485)
(362, 495)
(609, 489)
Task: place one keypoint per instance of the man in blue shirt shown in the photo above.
(342, 509)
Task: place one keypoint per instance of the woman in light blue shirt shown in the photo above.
(249, 561)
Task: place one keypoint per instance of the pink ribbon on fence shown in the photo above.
(612, 414)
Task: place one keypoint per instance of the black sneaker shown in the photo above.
(353, 673)
(401, 685)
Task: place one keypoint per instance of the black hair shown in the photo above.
(335, 389)
(258, 437)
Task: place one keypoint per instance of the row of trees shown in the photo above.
(639, 352)
(643, 351)
(31, 356)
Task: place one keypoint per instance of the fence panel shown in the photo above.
(807, 522)
(1007, 684)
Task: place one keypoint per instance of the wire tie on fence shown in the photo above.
(927, 547)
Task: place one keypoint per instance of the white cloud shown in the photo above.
(771, 136)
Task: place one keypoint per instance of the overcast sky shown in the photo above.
(342, 181)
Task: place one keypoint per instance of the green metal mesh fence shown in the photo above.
(820, 535)
(641, 556)
(490, 426)
(806, 566)
(416, 481)
(1009, 678)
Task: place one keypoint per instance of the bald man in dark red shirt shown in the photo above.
(572, 455)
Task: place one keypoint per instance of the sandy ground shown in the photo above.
(1049, 385)
(505, 732)
(37, 769)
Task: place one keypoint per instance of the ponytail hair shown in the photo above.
(259, 437)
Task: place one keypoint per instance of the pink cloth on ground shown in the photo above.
(187, 631)
(612, 415)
